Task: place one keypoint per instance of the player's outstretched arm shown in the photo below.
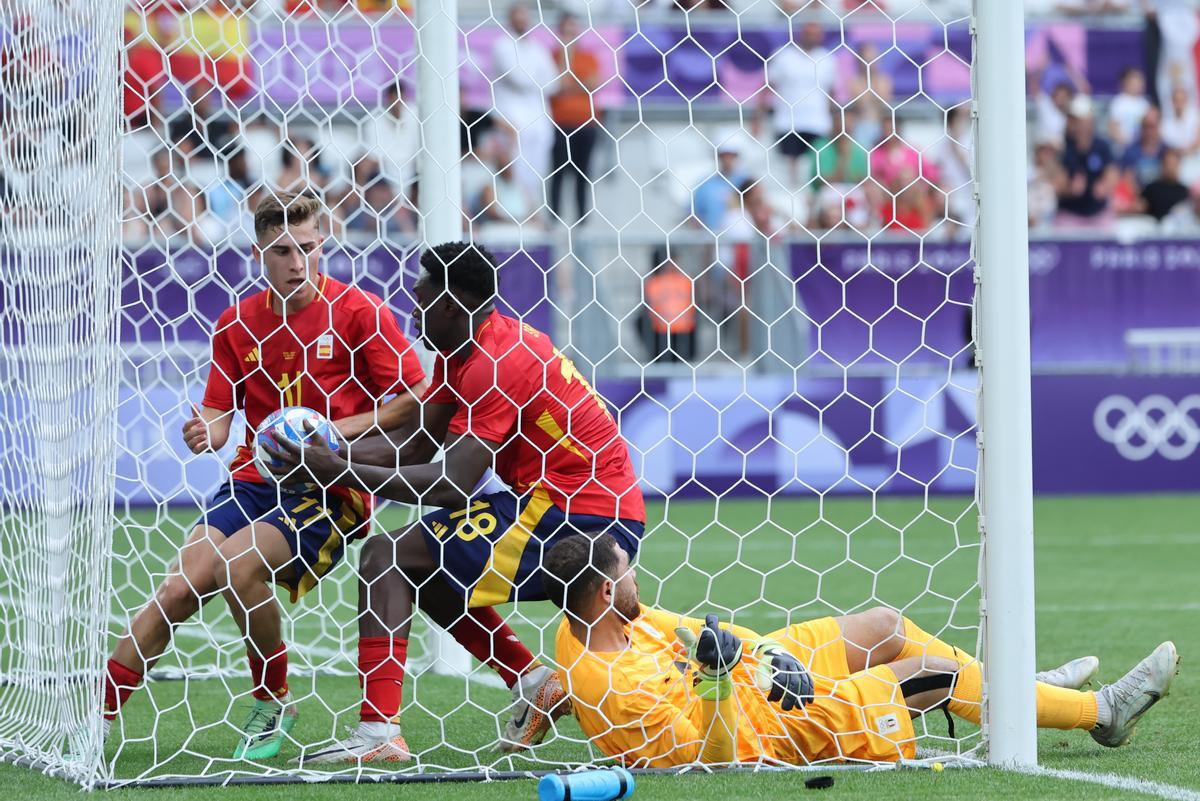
(447, 483)
(415, 442)
(207, 429)
(396, 413)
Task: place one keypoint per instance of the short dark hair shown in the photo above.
(464, 268)
(575, 567)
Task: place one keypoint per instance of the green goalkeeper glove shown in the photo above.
(715, 652)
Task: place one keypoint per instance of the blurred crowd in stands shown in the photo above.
(840, 155)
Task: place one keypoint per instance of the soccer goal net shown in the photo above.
(749, 225)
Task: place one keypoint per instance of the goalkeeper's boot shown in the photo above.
(369, 742)
(266, 727)
(1134, 694)
(538, 699)
(1075, 674)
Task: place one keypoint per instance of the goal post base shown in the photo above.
(308, 777)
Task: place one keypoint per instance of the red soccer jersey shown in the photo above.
(515, 389)
(342, 355)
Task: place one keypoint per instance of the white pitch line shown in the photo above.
(1123, 541)
(1159, 789)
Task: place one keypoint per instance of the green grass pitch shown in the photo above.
(1115, 576)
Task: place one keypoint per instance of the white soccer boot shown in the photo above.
(368, 743)
(1075, 674)
(1134, 694)
(76, 744)
(538, 699)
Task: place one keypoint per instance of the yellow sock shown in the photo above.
(918, 642)
(967, 699)
(968, 688)
(1060, 708)
(1057, 707)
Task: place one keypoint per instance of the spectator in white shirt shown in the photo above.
(1050, 109)
(1181, 123)
(800, 79)
(395, 136)
(522, 69)
(1046, 180)
(1178, 27)
(1127, 109)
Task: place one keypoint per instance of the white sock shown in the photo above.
(1103, 710)
(378, 729)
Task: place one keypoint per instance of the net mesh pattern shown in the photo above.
(748, 225)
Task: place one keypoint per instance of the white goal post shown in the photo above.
(1006, 471)
(822, 373)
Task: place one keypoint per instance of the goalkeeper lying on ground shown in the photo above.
(656, 689)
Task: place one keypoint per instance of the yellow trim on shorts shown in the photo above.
(498, 580)
(324, 556)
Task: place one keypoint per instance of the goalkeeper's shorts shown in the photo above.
(491, 551)
(854, 716)
(316, 526)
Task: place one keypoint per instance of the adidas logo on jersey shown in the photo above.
(252, 356)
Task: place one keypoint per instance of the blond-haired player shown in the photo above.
(306, 340)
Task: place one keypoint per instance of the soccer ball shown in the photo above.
(289, 424)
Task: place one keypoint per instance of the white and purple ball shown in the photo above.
(289, 424)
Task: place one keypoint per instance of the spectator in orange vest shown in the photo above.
(575, 117)
(668, 323)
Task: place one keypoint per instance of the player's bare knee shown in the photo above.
(377, 558)
(239, 568)
(177, 598)
(883, 622)
(940, 665)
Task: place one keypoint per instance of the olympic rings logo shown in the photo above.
(1155, 425)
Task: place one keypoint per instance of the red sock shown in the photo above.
(490, 640)
(119, 684)
(381, 673)
(269, 675)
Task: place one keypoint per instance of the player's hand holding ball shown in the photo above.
(297, 445)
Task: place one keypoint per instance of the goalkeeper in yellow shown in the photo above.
(656, 689)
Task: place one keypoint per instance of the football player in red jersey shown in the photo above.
(307, 340)
(503, 397)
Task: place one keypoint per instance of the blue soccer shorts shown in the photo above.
(491, 551)
(316, 526)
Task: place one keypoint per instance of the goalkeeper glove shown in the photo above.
(715, 652)
(782, 676)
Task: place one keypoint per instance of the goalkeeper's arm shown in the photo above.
(715, 652)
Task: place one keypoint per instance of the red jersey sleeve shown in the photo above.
(439, 391)
(489, 399)
(225, 371)
(390, 359)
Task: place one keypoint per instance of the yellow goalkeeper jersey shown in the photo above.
(637, 704)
